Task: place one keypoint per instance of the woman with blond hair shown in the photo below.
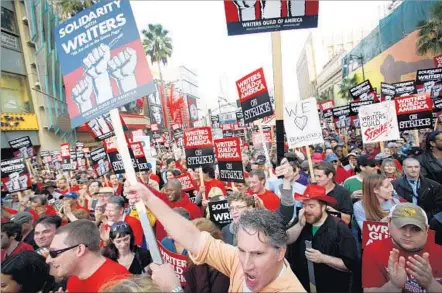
(389, 169)
(377, 200)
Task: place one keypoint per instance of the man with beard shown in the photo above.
(333, 249)
(431, 160)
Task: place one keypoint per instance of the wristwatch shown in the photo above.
(177, 289)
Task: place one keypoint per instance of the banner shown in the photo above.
(228, 155)
(187, 183)
(363, 91)
(438, 61)
(15, 175)
(23, 145)
(199, 147)
(65, 152)
(414, 112)
(301, 123)
(219, 213)
(193, 109)
(388, 91)
(178, 261)
(100, 162)
(372, 231)
(254, 96)
(379, 122)
(140, 158)
(102, 60)
(248, 17)
(429, 81)
(404, 88)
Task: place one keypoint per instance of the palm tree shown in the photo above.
(345, 86)
(69, 8)
(157, 44)
(322, 97)
(430, 32)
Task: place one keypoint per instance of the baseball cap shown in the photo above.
(106, 190)
(260, 160)
(392, 145)
(381, 156)
(316, 158)
(71, 195)
(331, 157)
(352, 154)
(366, 160)
(408, 214)
(21, 218)
(304, 165)
(319, 150)
(317, 192)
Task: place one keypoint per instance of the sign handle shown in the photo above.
(382, 146)
(435, 124)
(310, 164)
(202, 182)
(416, 137)
(132, 178)
(278, 94)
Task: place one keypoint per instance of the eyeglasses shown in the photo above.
(55, 253)
(118, 226)
(232, 209)
(334, 162)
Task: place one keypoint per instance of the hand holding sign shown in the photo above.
(164, 277)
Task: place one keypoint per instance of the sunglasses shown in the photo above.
(55, 253)
(334, 162)
(118, 226)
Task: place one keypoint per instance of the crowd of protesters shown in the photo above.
(294, 228)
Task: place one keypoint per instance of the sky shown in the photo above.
(200, 42)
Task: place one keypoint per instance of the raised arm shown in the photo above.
(178, 228)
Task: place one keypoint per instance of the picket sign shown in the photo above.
(264, 143)
(132, 178)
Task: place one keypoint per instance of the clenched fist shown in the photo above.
(81, 93)
(122, 68)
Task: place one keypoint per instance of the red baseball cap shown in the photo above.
(316, 192)
(317, 157)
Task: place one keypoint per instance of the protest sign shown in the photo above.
(214, 119)
(228, 133)
(248, 17)
(116, 161)
(388, 91)
(154, 127)
(404, 88)
(372, 231)
(257, 138)
(140, 158)
(65, 152)
(341, 113)
(23, 145)
(363, 92)
(102, 59)
(178, 261)
(100, 162)
(187, 183)
(327, 105)
(354, 106)
(228, 155)
(301, 123)
(100, 127)
(429, 81)
(240, 118)
(198, 146)
(193, 110)
(219, 213)
(378, 122)
(438, 61)
(81, 160)
(178, 135)
(145, 142)
(15, 175)
(414, 111)
(254, 96)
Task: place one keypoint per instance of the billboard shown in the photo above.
(102, 60)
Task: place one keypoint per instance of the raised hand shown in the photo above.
(81, 93)
(301, 217)
(96, 64)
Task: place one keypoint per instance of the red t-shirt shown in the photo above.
(214, 183)
(154, 177)
(22, 246)
(137, 229)
(75, 188)
(185, 203)
(375, 263)
(50, 211)
(270, 200)
(109, 271)
(341, 175)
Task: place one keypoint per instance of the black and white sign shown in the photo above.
(219, 213)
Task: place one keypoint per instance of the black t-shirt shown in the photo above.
(141, 260)
(343, 196)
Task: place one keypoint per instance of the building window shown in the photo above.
(15, 96)
(8, 20)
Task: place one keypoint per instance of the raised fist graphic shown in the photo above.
(122, 68)
(96, 64)
(246, 9)
(271, 9)
(81, 93)
(296, 7)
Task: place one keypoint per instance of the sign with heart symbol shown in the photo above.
(301, 122)
(299, 115)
